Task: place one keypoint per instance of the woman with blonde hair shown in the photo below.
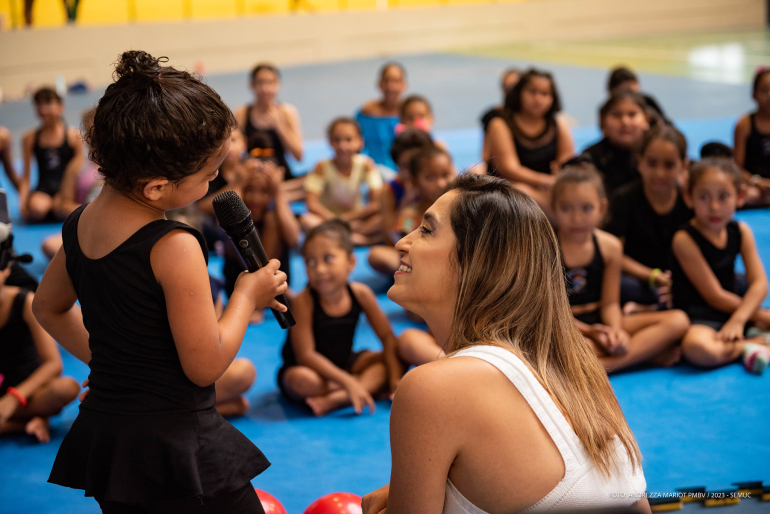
(521, 415)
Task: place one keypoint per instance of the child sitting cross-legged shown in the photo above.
(319, 364)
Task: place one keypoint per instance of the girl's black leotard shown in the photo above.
(145, 432)
(617, 165)
(536, 153)
(722, 263)
(757, 151)
(275, 140)
(51, 164)
(18, 355)
(584, 285)
(333, 336)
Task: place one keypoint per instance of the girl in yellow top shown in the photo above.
(334, 187)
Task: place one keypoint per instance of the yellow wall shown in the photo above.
(51, 13)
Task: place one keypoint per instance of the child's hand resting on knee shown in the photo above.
(731, 331)
(359, 396)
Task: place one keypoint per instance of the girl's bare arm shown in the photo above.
(503, 151)
(54, 308)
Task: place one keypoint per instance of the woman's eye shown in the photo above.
(424, 230)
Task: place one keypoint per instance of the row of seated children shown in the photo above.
(716, 322)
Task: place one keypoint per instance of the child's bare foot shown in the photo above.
(38, 427)
(257, 317)
(319, 405)
(233, 408)
(668, 357)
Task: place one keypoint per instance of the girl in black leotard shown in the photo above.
(704, 272)
(278, 122)
(31, 388)
(752, 142)
(527, 141)
(592, 259)
(148, 437)
(58, 152)
(319, 364)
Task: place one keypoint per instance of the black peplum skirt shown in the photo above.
(149, 457)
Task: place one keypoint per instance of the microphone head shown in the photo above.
(230, 209)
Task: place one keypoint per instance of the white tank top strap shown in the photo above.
(538, 399)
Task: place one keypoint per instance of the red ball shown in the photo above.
(336, 503)
(269, 503)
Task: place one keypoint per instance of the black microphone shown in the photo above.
(235, 218)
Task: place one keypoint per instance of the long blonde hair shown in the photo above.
(512, 294)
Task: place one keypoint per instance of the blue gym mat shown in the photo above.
(694, 427)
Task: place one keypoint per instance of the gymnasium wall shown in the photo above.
(255, 30)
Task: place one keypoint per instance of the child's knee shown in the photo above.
(303, 381)
(678, 322)
(65, 390)
(243, 374)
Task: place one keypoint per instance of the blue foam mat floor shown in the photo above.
(694, 427)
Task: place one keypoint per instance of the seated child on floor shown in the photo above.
(334, 186)
(592, 260)
(645, 214)
(752, 142)
(406, 144)
(58, 152)
(378, 118)
(278, 228)
(431, 172)
(31, 386)
(528, 141)
(319, 364)
(703, 275)
(623, 120)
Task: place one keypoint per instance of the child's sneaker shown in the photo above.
(756, 358)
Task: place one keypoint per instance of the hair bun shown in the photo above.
(137, 62)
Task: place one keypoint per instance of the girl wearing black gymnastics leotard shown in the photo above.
(148, 438)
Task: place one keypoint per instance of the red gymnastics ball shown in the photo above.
(269, 503)
(336, 503)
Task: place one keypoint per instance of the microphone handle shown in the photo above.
(254, 256)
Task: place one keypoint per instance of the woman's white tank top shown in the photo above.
(583, 486)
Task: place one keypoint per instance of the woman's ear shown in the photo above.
(155, 188)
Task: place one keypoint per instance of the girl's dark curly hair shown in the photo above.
(155, 121)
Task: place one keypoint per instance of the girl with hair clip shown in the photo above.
(148, 437)
(278, 121)
(593, 262)
(528, 142)
(645, 214)
(378, 118)
(623, 119)
(521, 414)
(752, 142)
(704, 278)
